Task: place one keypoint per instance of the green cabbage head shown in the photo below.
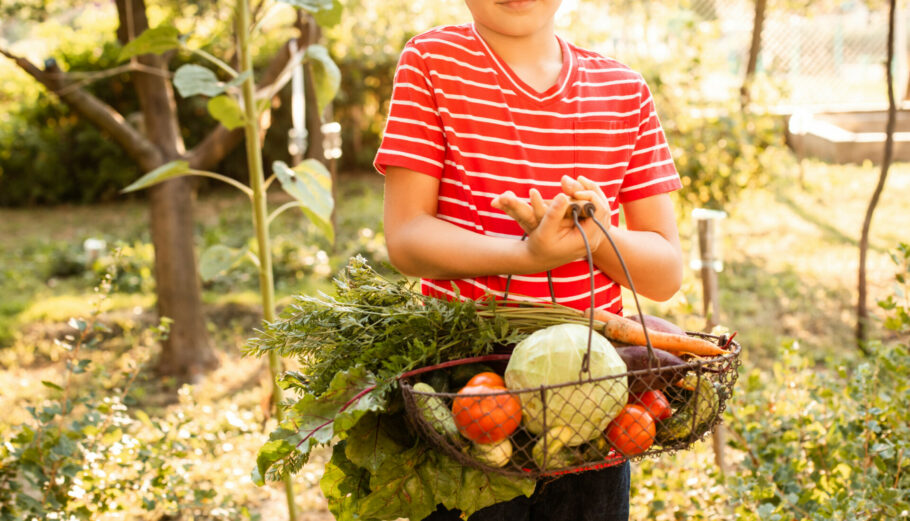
(554, 355)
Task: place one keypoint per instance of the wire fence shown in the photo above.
(825, 54)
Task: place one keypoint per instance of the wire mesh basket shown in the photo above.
(597, 421)
(658, 403)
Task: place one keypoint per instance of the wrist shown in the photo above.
(524, 259)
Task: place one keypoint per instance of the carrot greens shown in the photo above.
(352, 347)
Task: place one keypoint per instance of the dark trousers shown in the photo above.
(600, 495)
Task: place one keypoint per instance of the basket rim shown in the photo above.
(405, 378)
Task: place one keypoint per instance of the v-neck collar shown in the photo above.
(521, 88)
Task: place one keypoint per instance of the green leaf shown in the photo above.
(442, 475)
(51, 385)
(374, 439)
(218, 259)
(326, 75)
(344, 485)
(271, 452)
(226, 110)
(152, 41)
(479, 490)
(317, 417)
(162, 173)
(398, 490)
(311, 184)
(191, 80)
(327, 18)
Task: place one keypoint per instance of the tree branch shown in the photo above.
(220, 141)
(94, 110)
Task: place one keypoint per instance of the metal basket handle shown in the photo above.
(580, 210)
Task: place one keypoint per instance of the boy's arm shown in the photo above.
(421, 244)
(649, 246)
(649, 243)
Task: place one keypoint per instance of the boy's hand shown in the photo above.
(556, 240)
(587, 190)
(528, 216)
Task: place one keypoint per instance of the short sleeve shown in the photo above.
(651, 170)
(413, 136)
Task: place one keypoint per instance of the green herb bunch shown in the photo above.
(383, 327)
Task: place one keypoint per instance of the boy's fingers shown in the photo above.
(497, 201)
(587, 195)
(516, 209)
(538, 204)
(590, 185)
(554, 214)
(570, 186)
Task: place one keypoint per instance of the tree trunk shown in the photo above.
(862, 313)
(187, 352)
(758, 24)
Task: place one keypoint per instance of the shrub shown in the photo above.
(85, 453)
(824, 445)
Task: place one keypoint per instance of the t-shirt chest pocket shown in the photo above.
(603, 148)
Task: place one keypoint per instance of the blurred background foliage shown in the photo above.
(719, 148)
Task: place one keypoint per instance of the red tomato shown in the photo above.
(633, 431)
(486, 379)
(655, 402)
(486, 419)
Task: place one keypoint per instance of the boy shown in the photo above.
(493, 126)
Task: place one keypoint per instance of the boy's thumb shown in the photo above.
(555, 212)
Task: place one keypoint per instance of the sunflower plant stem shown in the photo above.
(260, 215)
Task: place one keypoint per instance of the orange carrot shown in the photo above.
(629, 331)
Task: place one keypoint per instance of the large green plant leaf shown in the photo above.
(226, 110)
(408, 480)
(191, 80)
(316, 420)
(311, 185)
(162, 173)
(398, 490)
(344, 485)
(152, 41)
(318, 417)
(217, 260)
(326, 75)
(329, 17)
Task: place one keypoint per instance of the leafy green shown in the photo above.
(352, 349)
(407, 478)
(383, 326)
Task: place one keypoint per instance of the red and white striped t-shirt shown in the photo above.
(460, 114)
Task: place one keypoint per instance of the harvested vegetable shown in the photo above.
(435, 412)
(693, 418)
(553, 356)
(486, 414)
(632, 431)
(664, 369)
(631, 332)
(486, 379)
(655, 402)
(551, 450)
(495, 454)
(658, 324)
